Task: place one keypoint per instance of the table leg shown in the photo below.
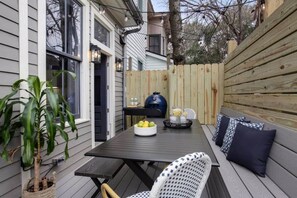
(142, 175)
(98, 184)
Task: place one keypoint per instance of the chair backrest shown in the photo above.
(185, 177)
(191, 113)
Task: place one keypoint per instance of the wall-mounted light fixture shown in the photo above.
(95, 53)
(262, 4)
(118, 65)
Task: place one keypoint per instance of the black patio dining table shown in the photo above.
(166, 146)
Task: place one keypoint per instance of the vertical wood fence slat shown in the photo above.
(187, 86)
(214, 91)
(199, 87)
(194, 88)
(207, 94)
(180, 86)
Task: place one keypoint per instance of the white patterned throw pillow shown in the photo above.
(228, 138)
(219, 118)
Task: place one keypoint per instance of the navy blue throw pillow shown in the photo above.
(222, 130)
(250, 148)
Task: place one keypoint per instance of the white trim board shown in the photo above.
(110, 52)
(23, 63)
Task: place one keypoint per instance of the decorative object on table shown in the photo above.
(191, 114)
(187, 177)
(250, 148)
(38, 123)
(169, 124)
(156, 101)
(178, 116)
(145, 128)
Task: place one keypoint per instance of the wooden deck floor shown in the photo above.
(127, 183)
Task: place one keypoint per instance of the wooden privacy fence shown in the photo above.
(261, 74)
(199, 87)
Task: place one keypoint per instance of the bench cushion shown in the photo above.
(100, 168)
(250, 148)
(239, 181)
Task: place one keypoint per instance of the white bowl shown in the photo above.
(148, 131)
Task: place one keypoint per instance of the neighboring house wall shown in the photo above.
(155, 62)
(10, 180)
(155, 27)
(136, 42)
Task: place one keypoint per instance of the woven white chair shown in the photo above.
(191, 113)
(185, 177)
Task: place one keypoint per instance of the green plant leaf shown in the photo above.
(73, 75)
(71, 120)
(51, 131)
(28, 119)
(64, 135)
(16, 84)
(4, 100)
(4, 154)
(53, 101)
(35, 85)
(28, 154)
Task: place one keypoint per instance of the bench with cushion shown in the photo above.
(104, 168)
(233, 180)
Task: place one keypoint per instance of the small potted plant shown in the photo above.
(44, 115)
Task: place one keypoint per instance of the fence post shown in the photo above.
(232, 44)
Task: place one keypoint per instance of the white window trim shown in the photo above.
(23, 64)
(110, 52)
(84, 65)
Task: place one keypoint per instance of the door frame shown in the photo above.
(110, 53)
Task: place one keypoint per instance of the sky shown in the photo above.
(160, 5)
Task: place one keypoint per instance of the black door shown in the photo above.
(100, 92)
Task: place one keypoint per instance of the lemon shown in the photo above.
(151, 124)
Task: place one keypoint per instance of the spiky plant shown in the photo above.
(44, 114)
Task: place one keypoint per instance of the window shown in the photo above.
(64, 48)
(154, 43)
(140, 65)
(101, 33)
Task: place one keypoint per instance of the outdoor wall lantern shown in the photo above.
(118, 65)
(95, 53)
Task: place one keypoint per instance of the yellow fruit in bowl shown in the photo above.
(151, 124)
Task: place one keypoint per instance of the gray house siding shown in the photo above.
(68, 185)
(10, 180)
(118, 87)
(33, 36)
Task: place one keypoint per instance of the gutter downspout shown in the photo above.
(125, 32)
(124, 52)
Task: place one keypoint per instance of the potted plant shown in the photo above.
(44, 115)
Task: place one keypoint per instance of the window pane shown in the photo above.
(55, 24)
(71, 86)
(53, 65)
(101, 33)
(64, 83)
(154, 43)
(74, 28)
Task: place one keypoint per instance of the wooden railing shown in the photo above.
(199, 87)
